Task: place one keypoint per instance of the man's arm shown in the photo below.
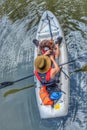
(56, 68)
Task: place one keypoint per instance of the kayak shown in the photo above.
(50, 28)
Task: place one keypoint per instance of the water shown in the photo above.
(18, 25)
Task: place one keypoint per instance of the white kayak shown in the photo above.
(48, 28)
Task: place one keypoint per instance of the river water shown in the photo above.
(18, 25)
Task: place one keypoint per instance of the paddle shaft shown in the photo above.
(8, 83)
(68, 62)
(24, 78)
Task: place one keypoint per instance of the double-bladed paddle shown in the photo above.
(83, 57)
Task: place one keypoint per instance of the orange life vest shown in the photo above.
(44, 95)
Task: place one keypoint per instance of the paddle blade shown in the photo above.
(83, 57)
(83, 69)
(5, 84)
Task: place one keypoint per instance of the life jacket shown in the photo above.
(45, 78)
(45, 97)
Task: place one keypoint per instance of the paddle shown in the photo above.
(8, 83)
(83, 57)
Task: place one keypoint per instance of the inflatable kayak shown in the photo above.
(49, 28)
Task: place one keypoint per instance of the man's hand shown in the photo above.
(48, 52)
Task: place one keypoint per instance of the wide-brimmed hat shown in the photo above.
(42, 64)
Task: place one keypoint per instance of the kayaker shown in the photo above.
(44, 72)
(48, 47)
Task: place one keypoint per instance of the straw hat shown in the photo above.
(42, 63)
